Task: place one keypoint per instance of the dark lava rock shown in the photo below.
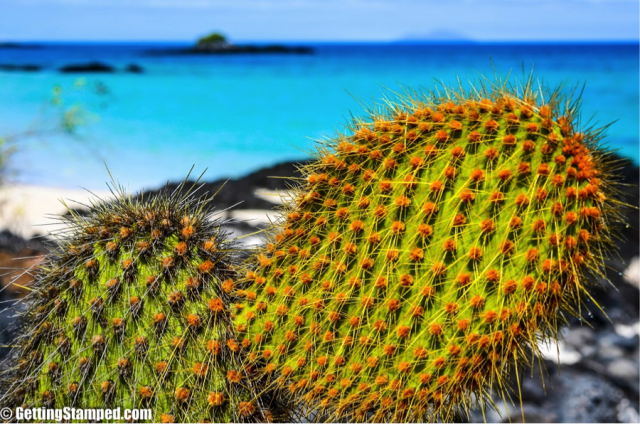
(91, 67)
(614, 339)
(16, 256)
(533, 414)
(624, 372)
(19, 68)
(134, 68)
(239, 193)
(581, 339)
(235, 49)
(231, 49)
(12, 243)
(10, 45)
(588, 399)
(535, 382)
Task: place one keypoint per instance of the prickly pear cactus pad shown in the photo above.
(429, 251)
(133, 310)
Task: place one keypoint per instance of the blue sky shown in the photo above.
(320, 20)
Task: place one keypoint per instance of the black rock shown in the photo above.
(533, 414)
(535, 382)
(235, 49)
(624, 372)
(77, 212)
(588, 399)
(91, 67)
(626, 343)
(225, 49)
(13, 243)
(134, 68)
(10, 45)
(581, 339)
(19, 68)
(239, 193)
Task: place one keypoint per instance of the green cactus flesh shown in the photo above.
(132, 310)
(432, 248)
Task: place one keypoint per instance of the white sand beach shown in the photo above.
(29, 211)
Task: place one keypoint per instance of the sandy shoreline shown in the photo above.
(29, 210)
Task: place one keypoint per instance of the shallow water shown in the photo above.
(235, 114)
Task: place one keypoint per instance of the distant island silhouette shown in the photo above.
(98, 68)
(14, 45)
(217, 43)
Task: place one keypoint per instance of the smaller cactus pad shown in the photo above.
(133, 309)
(431, 249)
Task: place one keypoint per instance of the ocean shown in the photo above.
(234, 114)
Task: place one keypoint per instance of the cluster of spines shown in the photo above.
(133, 310)
(430, 250)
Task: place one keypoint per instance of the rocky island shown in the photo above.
(217, 43)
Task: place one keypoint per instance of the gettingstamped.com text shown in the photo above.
(76, 414)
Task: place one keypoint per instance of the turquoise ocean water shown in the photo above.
(235, 114)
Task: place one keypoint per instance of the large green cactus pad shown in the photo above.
(431, 249)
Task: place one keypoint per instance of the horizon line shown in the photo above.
(399, 41)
